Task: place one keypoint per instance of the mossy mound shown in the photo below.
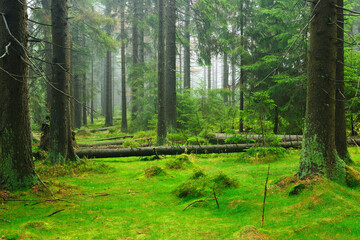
(197, 174)
(204, 185)
(262, 154)
(154, 171)
(250, 233)
(180, 162)
(294, 186)
(37, 225)
(352, 177)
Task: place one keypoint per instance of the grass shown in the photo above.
(120, 202)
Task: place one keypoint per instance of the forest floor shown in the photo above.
(115, 198)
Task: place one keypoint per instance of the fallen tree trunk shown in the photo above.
(108, 143)
(111, 138)
(171, 150)
(98, 129)
(220, 138)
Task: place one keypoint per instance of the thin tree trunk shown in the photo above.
(92, 90)
(123, 71)
(170, 72)
(187, 53)
(16, 164)
(340, 120)
(161, 128)
(209, 75)
(135, 60)
(225, 77)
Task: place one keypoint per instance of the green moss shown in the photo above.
(313, 160)
(352, 177)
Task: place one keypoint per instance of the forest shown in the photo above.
(179, 119)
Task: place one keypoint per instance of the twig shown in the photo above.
(217, 203)
(2, 219)
(201, 200)
(6, 50)
(47, 200)
(102, 195)
(55, 212)
(265, 191)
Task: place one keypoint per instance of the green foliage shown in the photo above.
(199, 185)
(130, 144)
(85, 166)
(180, 162)
(154, 171)
(196, 140)
(262, 154)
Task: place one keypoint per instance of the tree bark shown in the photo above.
(124, 124)
(171, 150)
(225, 77)
(16, 164)
(135, 61)
(161, 127)
(318, 155)
(187, 54)
(340, 119)
(170, 72)
(60, 135)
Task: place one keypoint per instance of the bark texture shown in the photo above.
(60, 142)
(161, 128)
(170, 72)
(318, 155)
(16, 165)
(124, 125)
(187, 56)
(340, 120)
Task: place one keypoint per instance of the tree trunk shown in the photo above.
(225, 77)
(16, 164)
(318, 155)
(77, 106)
(48, 56)
(161, 128)
(60, 142)
(108, 90)
(135, 60)
(209, 75)
(123, 71)
(170, 72)
(340, 120)
(187, 54)
(92, 90)
(170, 150)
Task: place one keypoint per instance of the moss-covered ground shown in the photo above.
(114, 199)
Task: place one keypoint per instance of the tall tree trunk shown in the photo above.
(77, 106)
(161, 128)
(187, 54)
(84, 92)
(92, 90)
(170, 72)
(16, 164)
(318, 155)
(60, 135)
(108, 79)
(123, 71)
(135, 61)
(242, 72)
(209, 75)
(108, 90)
(225, 77)
(48, 56)
(276, 120)
(340, 120)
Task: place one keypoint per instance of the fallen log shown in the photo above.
(107, 143)
(97, 129)
(110, 138)
(220, 138)
(170, 150)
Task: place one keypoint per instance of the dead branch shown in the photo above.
(265, 191)
(197, 201)
(53, 213)
(2, 219)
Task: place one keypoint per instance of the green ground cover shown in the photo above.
(114, 199)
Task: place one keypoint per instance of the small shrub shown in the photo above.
(196, 141)
(197, 174)
(200, 185)
(222, 180)
(130, 144)
(154, 171)
(262, 154)
(180, 162)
